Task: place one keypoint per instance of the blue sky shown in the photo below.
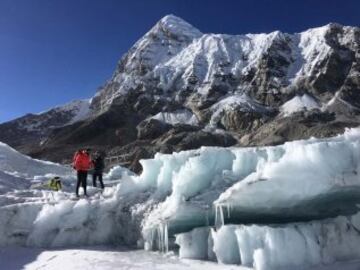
(55, 51)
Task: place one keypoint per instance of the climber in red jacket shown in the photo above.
(82, 163)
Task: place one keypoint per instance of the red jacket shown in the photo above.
(81, 161)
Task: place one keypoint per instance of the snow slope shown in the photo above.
(237, 102)
(24, 180)
(11, 182)
(79, 108)
(299, 103)
(213, 54)
(11, 161)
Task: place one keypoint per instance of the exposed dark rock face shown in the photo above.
(179, 89)
(298, 126)
(151, 129)
(241, 122)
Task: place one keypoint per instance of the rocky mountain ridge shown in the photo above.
(178, 88)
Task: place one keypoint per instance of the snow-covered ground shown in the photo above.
(108, 258)
(292, 206)
(99, 257)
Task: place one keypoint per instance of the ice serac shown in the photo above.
(286, 246)
(297, 181)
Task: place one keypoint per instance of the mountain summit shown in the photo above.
(177, 88)
(172, 26)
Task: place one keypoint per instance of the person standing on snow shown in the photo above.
(99, 166)
(82, 164)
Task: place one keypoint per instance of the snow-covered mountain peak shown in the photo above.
(176, 27)
(239, 83)
(176, 60)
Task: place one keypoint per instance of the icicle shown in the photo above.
(158, 237)
(153, 239)
(216, 216)
(222, 219)
(150, 243)
(207, 218)
(160, 241)
(219, 216)
(166, 237)
(163, 237)
(228, 208)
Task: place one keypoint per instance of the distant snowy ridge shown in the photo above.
(56, 117)
(79, 110)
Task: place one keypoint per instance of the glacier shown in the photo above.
(284, 206)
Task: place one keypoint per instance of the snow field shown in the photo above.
(14, 163)
(299, 103)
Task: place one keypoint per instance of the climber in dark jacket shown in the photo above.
(98, 165)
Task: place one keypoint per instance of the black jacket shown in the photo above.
(99, 165)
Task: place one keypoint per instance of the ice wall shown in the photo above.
(287, 246)
(298, 181)
(63, 222)
(194, 245)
